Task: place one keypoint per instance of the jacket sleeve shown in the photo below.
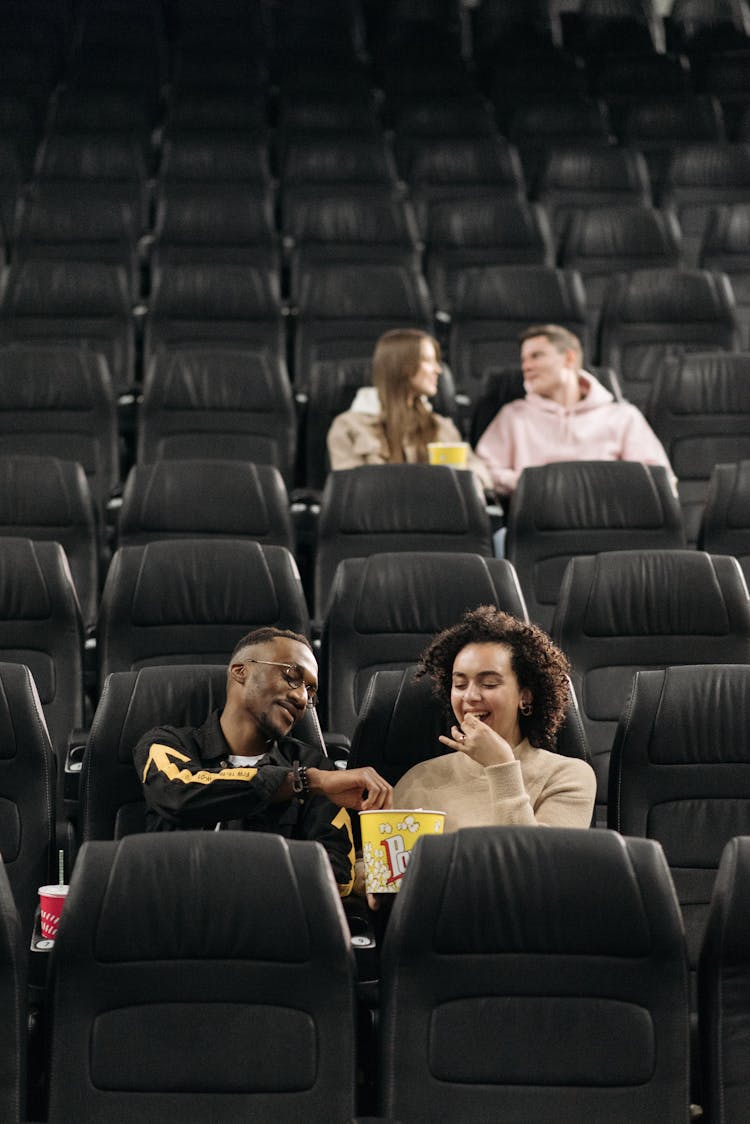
(353, 441)
(496, 448)
(567, 799)
(180, 789)
(325, 823)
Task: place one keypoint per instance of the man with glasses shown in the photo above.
(241, 769)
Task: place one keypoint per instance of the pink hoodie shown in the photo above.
(535, 430)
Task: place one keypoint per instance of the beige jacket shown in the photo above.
(537, 788)
(357, 437)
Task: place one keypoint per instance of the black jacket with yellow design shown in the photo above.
(189, 782)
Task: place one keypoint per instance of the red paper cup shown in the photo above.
(51, 902)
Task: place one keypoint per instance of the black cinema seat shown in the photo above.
(375, 508)
(726, 516)
(513, 959)
(190, 600)
(155, 941)
(230, 499)
(584, 507)
(624, 611)
(723, 985)
(385, 608)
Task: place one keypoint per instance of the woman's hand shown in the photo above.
(479, 741)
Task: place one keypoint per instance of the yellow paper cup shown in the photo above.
(387, 841)
(448, 452)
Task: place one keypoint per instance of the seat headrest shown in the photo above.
(683, 295)
(196, 896)
(23, 588)
(420, 592)
(711, 383)
(701, 714)
(225, 291)
(223, 380)
(645, 593)
(362, 291)
(601, 495)
(178, 582)
(507, 292)
(536, 899)
(408, 499)
(69, 288)
(738, 510)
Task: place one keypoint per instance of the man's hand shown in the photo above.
(361, 789)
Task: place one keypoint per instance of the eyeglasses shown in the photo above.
(294, 676)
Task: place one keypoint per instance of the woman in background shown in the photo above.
(392, 421)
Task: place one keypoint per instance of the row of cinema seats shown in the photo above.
(620, 613)
(558, 510)
(159, 937)
(236, 403)
(650, 310)
(236, 407)
(192, 531)
(171, 596)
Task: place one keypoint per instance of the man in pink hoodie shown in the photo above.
(566, 415)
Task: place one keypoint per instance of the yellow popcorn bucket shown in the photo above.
(387, 841)
(448, 452)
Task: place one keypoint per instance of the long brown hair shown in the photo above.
(395, 360)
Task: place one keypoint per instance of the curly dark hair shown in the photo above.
(538, 664)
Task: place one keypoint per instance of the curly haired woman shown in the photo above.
(504, 685)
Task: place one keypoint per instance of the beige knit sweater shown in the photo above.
(537, 788)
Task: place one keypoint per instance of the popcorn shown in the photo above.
(387, 842)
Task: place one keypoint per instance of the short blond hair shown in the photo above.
(559, 337)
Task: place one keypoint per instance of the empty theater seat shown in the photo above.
(207, 303)
(60, 400)
(600, 241)
(13, 1019)
(583, 176)
(464, 232)
(47, 499)
(191, 600)
(155, 941)
(513, 958)
(397, 507)
(680, 774)
(726, 248)
(218, 401)
(384, 609)
(623, 611)
(650, 314)
(28, 796)
(177, 499)
(583, 507)
(700, 411)
(343, 309)
(41, 626)
(87, 303)
(723, 983)
(726, 516)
